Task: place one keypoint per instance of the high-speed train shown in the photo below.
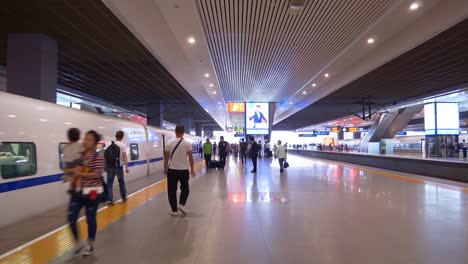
(32, 136)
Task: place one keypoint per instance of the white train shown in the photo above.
(32, 134)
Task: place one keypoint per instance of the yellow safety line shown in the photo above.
(59, 241)
(399, 176)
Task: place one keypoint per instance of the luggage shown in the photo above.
(215, 164)
(112, 155)
(286, 164)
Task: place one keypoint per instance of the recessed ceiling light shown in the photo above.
(68, 123)
(11, 116)
(304, 92)
(370, 40)
(219, 103)
(326, 75)
(211, 85)
(313, 85)
(191, 40)
(214, 92)
(43, 120)
(414, 6)
(207, 75)
(290, 102)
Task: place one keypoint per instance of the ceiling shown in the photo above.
(438, 65)
(99, 56)
(263, 52)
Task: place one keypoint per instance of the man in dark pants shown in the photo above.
(117, 170)
(223, 151)
(243, 151)
(176, 167)
(253, 155)
(207, 151)
(465, 148)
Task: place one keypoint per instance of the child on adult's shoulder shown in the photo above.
(72, 157)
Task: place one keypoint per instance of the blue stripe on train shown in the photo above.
(26, 183)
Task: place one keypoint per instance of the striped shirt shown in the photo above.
(93, 162)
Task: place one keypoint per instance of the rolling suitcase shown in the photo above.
(215, 164)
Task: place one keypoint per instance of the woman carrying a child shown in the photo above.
(88, 179)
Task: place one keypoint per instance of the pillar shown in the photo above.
(208, 132)
(198, 130)
(32, 66)
(187, 122)
(155, 115)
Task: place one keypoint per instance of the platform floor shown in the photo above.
(316, 212)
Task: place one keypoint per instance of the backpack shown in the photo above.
(112, 155)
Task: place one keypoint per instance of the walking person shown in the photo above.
(280, 154)
(223, 148)
(200, 149)
(254, 149)
(176, 167)
(92, 187)
(116, 159)
(214, 149)
(465, 148)
(243, 151)
(207, 151)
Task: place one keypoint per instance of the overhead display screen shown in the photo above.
(429, 119)
(448, 119)
(441, 119)
(236, 107)
(256, 118)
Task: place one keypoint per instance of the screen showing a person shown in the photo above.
(256, 118)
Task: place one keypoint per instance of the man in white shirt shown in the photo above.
(177, 159)
(280, 154)
(112, 171)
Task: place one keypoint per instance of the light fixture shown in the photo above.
(11, 116)
(207, 75)
(68, 123)
(219, 103)
(304, 92)
(326, 75)
(313, 85)
(191, 40)
(370, 40)
(414, 6)
(43, 120)
(211, 85)
(290, 102)
(214, 92)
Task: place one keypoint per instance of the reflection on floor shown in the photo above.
(454, 158)
(315, 212)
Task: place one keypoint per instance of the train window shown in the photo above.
(17, 159)
(134, 154)
(101, 147)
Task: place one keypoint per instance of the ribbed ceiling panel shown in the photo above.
(263, 52)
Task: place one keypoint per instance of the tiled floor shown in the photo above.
(316, 212)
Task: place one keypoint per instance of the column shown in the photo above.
(198, 129)
(187, 122)
(32, 66)
(155, 114)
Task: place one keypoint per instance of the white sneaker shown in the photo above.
(174, 213)
(77, 249)
(88, 249)
(183, 210)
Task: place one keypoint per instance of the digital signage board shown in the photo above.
(257, 118)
